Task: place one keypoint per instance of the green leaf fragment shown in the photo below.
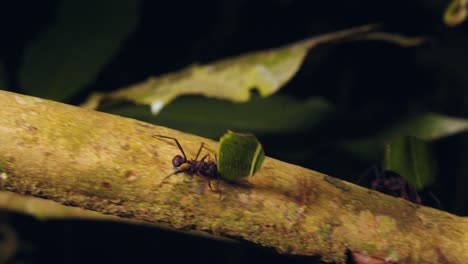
(412, 159)
(240, 155)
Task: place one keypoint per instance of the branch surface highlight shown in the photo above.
(113, 165)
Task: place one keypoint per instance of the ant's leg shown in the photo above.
(176, 141)
(206, 180)
(167, 177)
(210, 150)
(199, 150)
(217, 187)
(217, 175)
(404, 194)
(413, 194)
(439, 204)
(204, 157)
(369, 171)
(209, 185)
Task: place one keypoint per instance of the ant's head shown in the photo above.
(178, 160)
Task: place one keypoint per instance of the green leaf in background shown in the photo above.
(69, 55)
(428, 126)
(210, 117)
(412, 159)
(232, 78)
(456, 12)
(3, 77)
(240, 155)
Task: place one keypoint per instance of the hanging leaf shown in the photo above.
(232, 78)
(412, 159)
(70, 54)
(240, 155)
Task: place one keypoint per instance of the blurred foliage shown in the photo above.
(233, 78)
(335, 115)
(428, 126)
(211, 118)
(8, 240)
(456, 12)
(69, 55)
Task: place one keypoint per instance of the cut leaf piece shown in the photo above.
(412, 159)
(69, 55)
(232, 78)
(240, 155)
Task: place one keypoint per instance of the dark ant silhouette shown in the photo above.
(207, 169)
(391, 183)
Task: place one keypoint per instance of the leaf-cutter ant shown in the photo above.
(391, 183)
(207, 169)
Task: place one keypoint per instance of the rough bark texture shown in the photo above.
(113, 165)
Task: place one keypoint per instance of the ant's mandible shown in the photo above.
(207, 169)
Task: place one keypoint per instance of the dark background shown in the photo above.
(370, 84)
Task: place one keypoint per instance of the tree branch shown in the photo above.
(113, 165)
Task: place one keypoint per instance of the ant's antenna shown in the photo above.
(176, 141)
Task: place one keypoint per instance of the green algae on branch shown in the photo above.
(118, 166)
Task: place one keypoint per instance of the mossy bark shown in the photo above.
(113, 165)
